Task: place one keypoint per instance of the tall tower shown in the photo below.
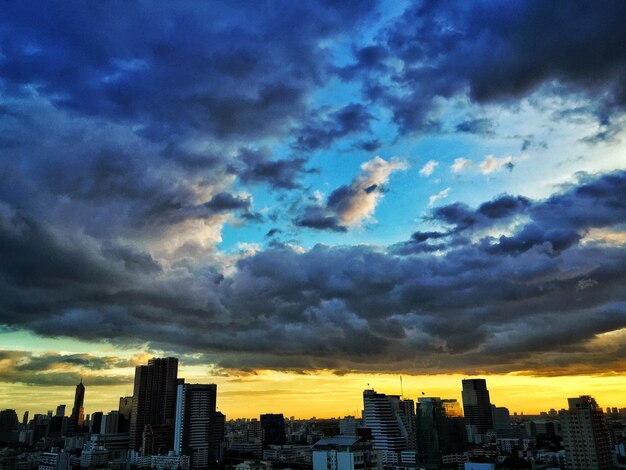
(154, 399)
(77, 418)
(199, 429)
(391, 421)
(585, 435)
(477, 409)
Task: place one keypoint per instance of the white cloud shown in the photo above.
(364, 193)
(428, 169)
(461, 164)
(491, 164)
(440, 195)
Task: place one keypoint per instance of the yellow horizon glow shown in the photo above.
(325, 395)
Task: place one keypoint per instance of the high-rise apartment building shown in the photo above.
(199, 429)
(392, 422)
(154, 402)
(585, 435)
(477, 409)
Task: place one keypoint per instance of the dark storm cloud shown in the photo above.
(258, 166)
(322, 132)
(230, 69)
(478, 305)
(320, 218)
(496, 52)
(60, 369)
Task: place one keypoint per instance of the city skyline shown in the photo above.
(297, 199)
(232, 404)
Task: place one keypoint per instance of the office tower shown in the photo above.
(154, 403)
(477, 409)
(56, 426)
(440, 431)
(199, 429)
(273, 429)
(110, 423)
(25, 419)
(96, 422)
(125, 409)
(585, 435)
(77, 418)
(126, 406)
(387, 416)
(60, 410)
(500, 418)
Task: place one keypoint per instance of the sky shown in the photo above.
(300, 200)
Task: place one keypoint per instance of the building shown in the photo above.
(60, 410)
(273, 429)
(345, 453)
(77, 418)
(96, 422)
(440, 431)
(348, 426)
(94, 456)
(54, 460)
(199, 428)
(500, 418)
(477, 409)
(585, 435)
(388, 418)
(154, 400)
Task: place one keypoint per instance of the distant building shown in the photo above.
(585, 435)
(96, 422)
(77, 418)
(501, 418)
(477, 409)
(392, 423)
(154, 402)
(273, 429)
(345, 453)
(60, 411)
(348, 426)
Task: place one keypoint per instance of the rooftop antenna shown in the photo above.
(401, 388)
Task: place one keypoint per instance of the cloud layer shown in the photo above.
(131, 149)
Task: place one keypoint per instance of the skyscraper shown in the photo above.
(391, 421)
(199, 429)
(77, 418)
(477, 409)
(440, 431)
(585, 435)
(154, 400)
(273, 429)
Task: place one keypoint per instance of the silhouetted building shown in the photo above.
(273, 428)
(56, 426)
(8, 426)
(96, 422)
(501, 419)
(60, 410)
(199, 428)
(77, 418)
(439, 434)
(477, 409)
(392, 422)
(154, 403)
(585, 435)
